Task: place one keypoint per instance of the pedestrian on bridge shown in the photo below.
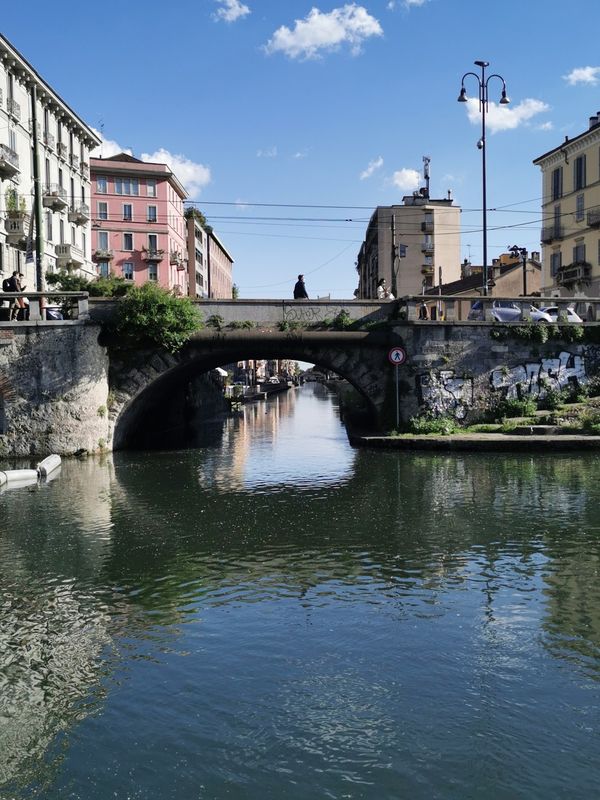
(300, 292)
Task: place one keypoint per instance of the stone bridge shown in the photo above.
(63, 389)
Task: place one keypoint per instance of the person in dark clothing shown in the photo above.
(300, 292)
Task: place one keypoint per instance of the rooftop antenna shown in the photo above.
(101, 121)
(426, 162)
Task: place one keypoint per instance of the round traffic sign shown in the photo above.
(397, 356)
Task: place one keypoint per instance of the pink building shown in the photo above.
(138, 228)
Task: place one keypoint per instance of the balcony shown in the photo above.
(573, 273)
(176, 259)
(593, 217)
(552, 232)
(54, 197)
(13, 108)
(68, 255)
(62, 150)
(38, 129)
(74, 161)
(49, 141)
(426, 269)
(152, 255)
(79, 214)
(1, 97)
(427, 248)
(9, 162)
(427, 227)
(85, 169)
(102, 254)
(16, 226)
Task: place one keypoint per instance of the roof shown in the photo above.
(566, 142)
(474, 280)
(124, 157)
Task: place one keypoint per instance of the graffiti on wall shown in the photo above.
(445, 394)
(536, 378)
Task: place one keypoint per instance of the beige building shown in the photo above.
(408, 244)
(571, 215)
(197, 250)
(49, 129)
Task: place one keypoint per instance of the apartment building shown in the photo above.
(139, 231)
(197, 250)
(45, 126)
(408, 244)
(571, 215)
(219, 269)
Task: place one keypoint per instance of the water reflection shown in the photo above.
(313, 620)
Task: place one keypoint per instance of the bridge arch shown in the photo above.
(144, 382)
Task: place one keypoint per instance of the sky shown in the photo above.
(289, 121)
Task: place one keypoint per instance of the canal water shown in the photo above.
(277, 615)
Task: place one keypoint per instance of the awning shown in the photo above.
(222, 372)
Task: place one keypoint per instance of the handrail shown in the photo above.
(35, 298)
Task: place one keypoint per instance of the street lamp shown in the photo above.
(521, 252)
(483, 82)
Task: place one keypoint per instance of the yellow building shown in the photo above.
(571, 215)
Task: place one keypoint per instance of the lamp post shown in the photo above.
(521, 252)
(482, 83)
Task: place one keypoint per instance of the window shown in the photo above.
(83, 242)
(104, 268)
(152, 242)
(128, 241)
(73, 239)
(152, 271)
(128, 270)
(580, 200)
(555, 262)
(579, 173)
(151, 187)
(60, 178)
(12, 139)
(72, 187)
(152, 214)
(102, 240)
(47, 170)
(102, 210)
(101, 184)
(127, 211)
(127, 186)
(579, 253)
(49, 226)
(61, 231)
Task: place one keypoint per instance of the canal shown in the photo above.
(278, 615)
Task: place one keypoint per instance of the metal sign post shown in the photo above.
(397, 357)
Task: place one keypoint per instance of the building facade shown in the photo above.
(219, 269)
(408, 244)
(197, 252)
(139, 231)
(49, 129)
(571, 215)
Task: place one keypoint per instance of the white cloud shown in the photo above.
(242, 205)
(108, 147)
(545, 126)
(270, 152)
(318, 32)
(406, 179)
(300, 154)
(193, 176)
(231, 10)
(410, 3)
(374, 165)
(503, 118)
(583, 75)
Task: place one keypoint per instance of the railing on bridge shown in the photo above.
(455, 308)
(73, 305)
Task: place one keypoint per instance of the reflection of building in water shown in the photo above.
(225, 467)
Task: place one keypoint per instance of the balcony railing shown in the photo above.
(13, 108)
(74, 161)
(427, 247)
(9, 162)
(1, 97)
(62, 150)
(102, 254)
(572, 273)
(593, 217)
(426, 269)
(552, 232)
(79, 213)
(38, 129)
(427, 227)
(68, 255)
(49, 141)
(16, 226)
(152, 255)
(176, 259)
(85, 169)
(54, 197)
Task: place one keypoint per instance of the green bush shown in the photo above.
(152, 314)
(284, 325)
(428, 423)
(516, 407)
(238, 324)
(101, 287)
(342, 320)
(215, 321)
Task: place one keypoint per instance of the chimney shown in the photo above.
(535, 256)
(593, 122)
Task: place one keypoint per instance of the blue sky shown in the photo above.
(290, 121)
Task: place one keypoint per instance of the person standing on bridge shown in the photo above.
(300, 292)
(383, 293)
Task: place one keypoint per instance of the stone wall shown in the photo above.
(53, 389)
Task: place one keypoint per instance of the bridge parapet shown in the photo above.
(76, 302)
